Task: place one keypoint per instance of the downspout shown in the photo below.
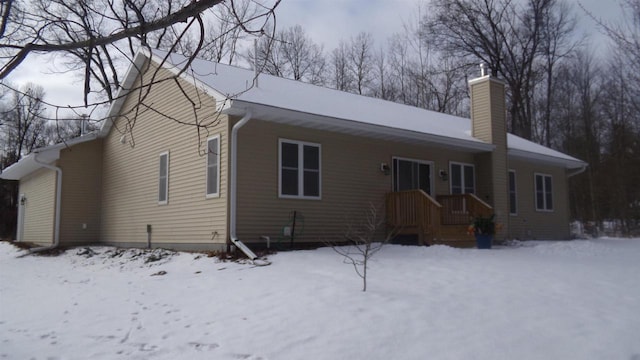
(233, 187)
(579, 171)
(56, 231)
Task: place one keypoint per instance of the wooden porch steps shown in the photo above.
(454, 236)
(420, 219)
(450, 235)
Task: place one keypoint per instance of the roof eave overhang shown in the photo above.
(28, 165)
(546, 159)
(351, 127)
(47, 155)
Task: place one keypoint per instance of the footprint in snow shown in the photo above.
(204, 347)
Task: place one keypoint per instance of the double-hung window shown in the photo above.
(163, 179)
(513, 201)
(544, 192)
(299, 169)
(213, 166)
(462, 178)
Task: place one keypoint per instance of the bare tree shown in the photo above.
(291, 54)
(98, 37)
(224, 34)
(625, 35)
(23, 126)
(425, 75)
(620, 158)
(363, 241)
(360, 56)
(384, 85)
(341, 78)
(506, 35)
(304, 57)
(398, 58)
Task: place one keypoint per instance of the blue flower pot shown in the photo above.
(483, 241)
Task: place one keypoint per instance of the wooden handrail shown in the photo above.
(413, 209)
(460, 209)
(479, 207)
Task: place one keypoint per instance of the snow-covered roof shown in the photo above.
(331, 109)
(525, 149)
(287, 101)
(46, 155)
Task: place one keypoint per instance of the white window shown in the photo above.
(213, 166)
(513, 200)
(299, 169)
(462, 178)
(410, 174)
(163, 179)
(544, 192)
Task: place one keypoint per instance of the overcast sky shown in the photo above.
(327, 22)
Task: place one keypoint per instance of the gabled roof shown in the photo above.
(287, 101)
(47, 155)
(292, 102)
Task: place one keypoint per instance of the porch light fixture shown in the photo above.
(443, 175)
(384, 168)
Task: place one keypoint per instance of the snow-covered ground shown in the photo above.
(538, 300)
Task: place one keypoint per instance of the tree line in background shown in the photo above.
(24, 127)
(559, 93)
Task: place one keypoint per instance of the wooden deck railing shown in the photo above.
(462, 208)
(413, 209)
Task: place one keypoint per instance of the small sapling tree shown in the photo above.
(363, 240)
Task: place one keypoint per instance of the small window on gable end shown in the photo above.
(513, 200)
(213, 166)
(163, 179)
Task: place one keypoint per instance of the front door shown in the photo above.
(409, 174)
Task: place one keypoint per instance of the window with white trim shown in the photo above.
(299, 169)
(462, 178)
(513, 199)
(213, 166)
(544, 192)
(163, 178)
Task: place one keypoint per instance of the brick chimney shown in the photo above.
(488, 123)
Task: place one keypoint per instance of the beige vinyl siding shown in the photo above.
(81, 167)
(130, 181)
(530, 223)
(489, 124)
(350, 179)
(481, 111)
(39, 190)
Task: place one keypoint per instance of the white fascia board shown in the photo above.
(546, 159)
(222, 101)
(121, 95)
(308, 120)
(28, 164)
(132, 74)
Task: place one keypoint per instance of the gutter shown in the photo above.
(234, 186)
(579, 171)
(56, 231)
